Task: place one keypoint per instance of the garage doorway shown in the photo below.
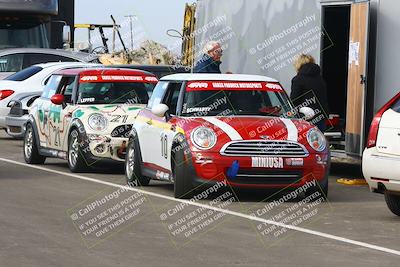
(343, 61)
(334, 64)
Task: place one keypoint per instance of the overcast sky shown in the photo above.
(154, 17)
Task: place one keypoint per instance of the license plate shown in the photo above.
(267, 162)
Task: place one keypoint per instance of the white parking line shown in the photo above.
(229, 212)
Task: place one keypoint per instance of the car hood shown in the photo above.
(239, 128)
(116, 115)
(111, 108)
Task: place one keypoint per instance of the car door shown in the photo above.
(388, 141)
(43, 106)
(60, 115)
(159, 132)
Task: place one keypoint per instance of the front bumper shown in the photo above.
(3, 113)
(382, 169)
(212, 167)
(108, 147)
(15, 125)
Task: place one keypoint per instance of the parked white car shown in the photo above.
(19, 113)
(13, 60)
(30, 80)
(381, 159)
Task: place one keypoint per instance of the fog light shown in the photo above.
(101, 149)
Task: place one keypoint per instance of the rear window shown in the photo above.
(396, 106)
(24, 74)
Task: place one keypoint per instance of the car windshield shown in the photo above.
(114, 93)
(228, 102)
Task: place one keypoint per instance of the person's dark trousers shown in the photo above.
(321, 125)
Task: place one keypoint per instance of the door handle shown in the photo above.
(149, 122)
(363, 79)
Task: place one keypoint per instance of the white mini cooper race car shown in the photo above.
(85, 115)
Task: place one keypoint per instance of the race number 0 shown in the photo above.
(164, 146)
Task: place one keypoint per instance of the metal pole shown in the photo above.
(119, 35)
(131, 26)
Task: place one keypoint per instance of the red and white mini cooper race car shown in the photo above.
(241, 129)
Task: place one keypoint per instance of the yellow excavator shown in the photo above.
(188, 39)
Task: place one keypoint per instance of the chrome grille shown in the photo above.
(267, 148)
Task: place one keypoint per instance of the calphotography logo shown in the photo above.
(108, 212)
(186, 223)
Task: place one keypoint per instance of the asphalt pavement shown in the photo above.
(51, 217)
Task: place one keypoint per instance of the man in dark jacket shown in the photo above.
(309, 89)
(211, 60)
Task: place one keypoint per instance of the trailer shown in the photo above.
(354, 41)
(35, 23)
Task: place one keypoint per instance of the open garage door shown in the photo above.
(356, 91)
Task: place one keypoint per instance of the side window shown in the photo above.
(51, 88)
(158, 94)
(66, 88)
(396, 106)
(37, 58)
(172, 97)
(11, 63)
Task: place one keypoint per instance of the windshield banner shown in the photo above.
(117, 78)
(229, 86)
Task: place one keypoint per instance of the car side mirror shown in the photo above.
(66, 34)
(57, 99)
(308, 113)
(160, 110)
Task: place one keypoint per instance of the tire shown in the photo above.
(183, 186)
(393, 202)
(133, 160)
(31, 150)
(323, 188)
(76, 161)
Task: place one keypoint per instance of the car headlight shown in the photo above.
(316, 140)
(97, 122)
(204, 138)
